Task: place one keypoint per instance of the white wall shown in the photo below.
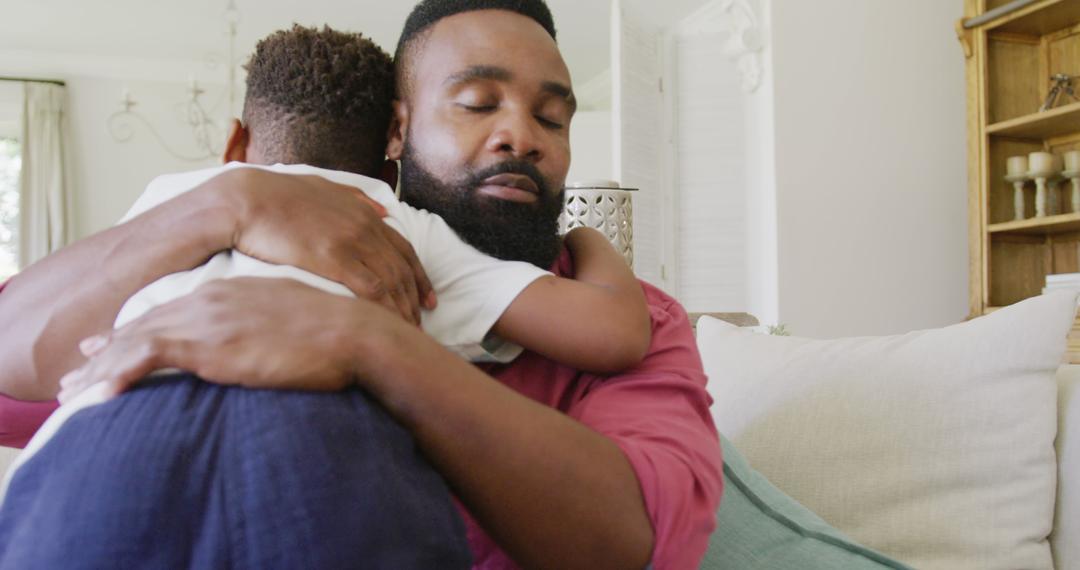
(108, 175)
(762, 264)
(711, 182)
(639, 131)
(590, 146)
(870, 165)
(11, 97)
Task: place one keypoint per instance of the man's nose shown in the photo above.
(519, 135)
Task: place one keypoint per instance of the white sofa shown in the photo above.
(936, 448)
(741, 405)
(1066, 537)
(7, 455)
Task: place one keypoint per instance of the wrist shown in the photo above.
(372, 342)
(174, 236)
(391, 359)
(223, 206)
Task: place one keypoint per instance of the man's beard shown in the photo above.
(500, 228)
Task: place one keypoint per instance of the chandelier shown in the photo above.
(207, 134)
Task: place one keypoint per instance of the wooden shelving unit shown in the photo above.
(1038, 19)
(1050, 225)
(1039, 126)
(1010, 60)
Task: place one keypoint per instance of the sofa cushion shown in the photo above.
(1064, 541)
(935, 447)
(758, 526)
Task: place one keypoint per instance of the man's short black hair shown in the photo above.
(428, 12)
(320, 97)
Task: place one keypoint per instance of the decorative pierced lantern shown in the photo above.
(603, 206)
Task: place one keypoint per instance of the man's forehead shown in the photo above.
(492, 39)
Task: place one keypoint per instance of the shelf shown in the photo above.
(1039, 226)
(1039, 19)
(1012, 50)
(1063, 120)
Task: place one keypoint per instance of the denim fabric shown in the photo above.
(181, 473)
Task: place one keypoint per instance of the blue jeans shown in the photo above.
(182, 473)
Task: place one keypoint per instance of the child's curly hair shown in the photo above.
(320, 97)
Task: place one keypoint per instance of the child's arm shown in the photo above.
(597, 322)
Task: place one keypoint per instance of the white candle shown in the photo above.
(1072, 160)
(1018, 165)
(1041, 163)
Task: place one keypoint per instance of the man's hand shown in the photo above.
(328, 229)
(265, 333)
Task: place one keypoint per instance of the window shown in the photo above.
(10, 164)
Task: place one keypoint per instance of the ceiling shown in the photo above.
(193, 29)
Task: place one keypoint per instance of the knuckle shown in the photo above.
(328, 248)
(214, 291)
(148, 350)
(375, 287)
(394, 276)
(215, 315)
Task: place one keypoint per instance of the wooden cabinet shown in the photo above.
(1011, 56)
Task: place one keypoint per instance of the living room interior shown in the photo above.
(840, 171)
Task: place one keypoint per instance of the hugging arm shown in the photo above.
(53, 304)
(553, 492)
(596, 322)
(49, 307)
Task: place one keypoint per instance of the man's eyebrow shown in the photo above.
(561, 91)
(496, 73)
(478, 72)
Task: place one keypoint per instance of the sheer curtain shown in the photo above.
(44, 196)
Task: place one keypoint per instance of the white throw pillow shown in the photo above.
(7, 456)
(1065, 541)
(935, 447)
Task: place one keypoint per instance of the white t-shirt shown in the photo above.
(473, 289)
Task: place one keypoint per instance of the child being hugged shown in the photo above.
(319, 103)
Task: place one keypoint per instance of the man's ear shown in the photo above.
(399, 126)
(389, 173)
(237, 143)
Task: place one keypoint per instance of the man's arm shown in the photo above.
(597, 321)
(553, 493)
(328, 229)
(52, 305)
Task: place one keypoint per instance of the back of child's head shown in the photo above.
(319, 97)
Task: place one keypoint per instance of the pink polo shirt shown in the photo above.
(657, 413)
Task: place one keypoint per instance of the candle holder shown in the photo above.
(1041, 179)
(1018, 181)
(1053, 195)
(605, 206)
(1042, 170)
(1074, 177)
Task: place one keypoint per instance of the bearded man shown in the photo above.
(554, 468)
